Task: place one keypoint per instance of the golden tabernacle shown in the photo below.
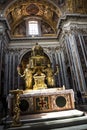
(38, 73)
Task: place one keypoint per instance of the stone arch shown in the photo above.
(12, 2)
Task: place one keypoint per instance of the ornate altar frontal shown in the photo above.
(46, 100)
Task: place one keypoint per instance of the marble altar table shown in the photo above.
(46, 100)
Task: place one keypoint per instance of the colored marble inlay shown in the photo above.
(42, 103)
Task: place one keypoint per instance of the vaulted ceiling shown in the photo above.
(22, 9)
(50, 11)
(17, 11)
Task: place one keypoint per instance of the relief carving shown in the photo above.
(20, 30)
(46, 29)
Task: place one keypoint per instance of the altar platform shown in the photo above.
(46, 100)
(62, 120)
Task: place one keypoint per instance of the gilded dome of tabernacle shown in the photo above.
(37, 50)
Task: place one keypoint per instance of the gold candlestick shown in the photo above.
(16, 110)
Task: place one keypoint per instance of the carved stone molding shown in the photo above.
(70, 23)
(14, 50)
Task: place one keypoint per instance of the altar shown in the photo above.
(40, 93)
(45, 100)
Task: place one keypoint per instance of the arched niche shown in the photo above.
(27, 56)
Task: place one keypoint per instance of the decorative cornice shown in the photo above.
(67, 22)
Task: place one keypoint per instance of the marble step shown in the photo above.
(49, 116)
(63, 119)
(54, 124)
